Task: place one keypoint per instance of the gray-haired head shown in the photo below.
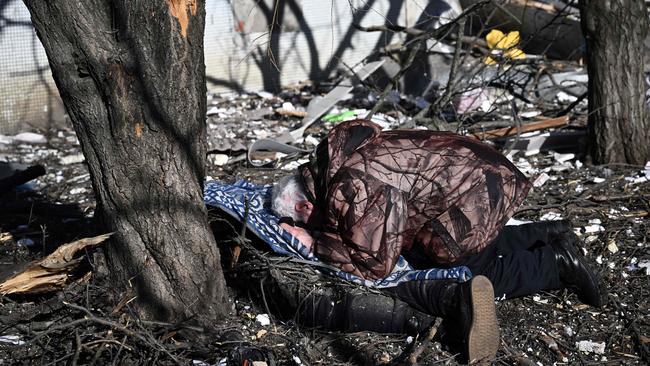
(288, 192)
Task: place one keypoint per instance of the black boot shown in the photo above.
(574, 271)
(467, 309)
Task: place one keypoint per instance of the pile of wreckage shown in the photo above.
(489, 84)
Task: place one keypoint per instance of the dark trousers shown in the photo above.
(519, 262)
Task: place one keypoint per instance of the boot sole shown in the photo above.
(483, 338)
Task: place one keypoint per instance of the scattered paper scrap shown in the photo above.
(612, 247)
(515, 222)
(29, 138)
(541, 179)
(263, 319)
(72, 159)
(591, 347)
(12, 339)
(562, 158)
(551, 216)
(594, 226)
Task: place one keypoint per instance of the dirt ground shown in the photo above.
(608, 206)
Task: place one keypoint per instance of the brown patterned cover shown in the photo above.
(430, 194)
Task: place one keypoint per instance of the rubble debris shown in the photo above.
(72, 159)
(24, 137)
(591, 347)
(612, 247)
(316, 108)
(263, 319)
(594, 226)
(12, 339)
(551, 216)
(540, 180)
(50, 273)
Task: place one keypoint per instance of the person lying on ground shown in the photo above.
(440, 200)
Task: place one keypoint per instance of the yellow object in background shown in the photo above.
(506, 43)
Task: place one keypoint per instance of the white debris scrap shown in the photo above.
(530, 114)
(200, 363)
(263, 319)
(264, 94)
(524, 165)
(551, 216)
(78, 190)
(219, 159)
(594, 226)
(561, 167)
(72, 159)
(261, 134)
(288, 106)
(563, 97)
(297, 360)
(539, 300)
(515, 222)
(12, 339)
(29, 138)
(568, 331)
(311, 140)
(591, 347)
(293, 165)
(598, 180)
(646, 266)
(541, 179)
(612, 247)
(563, 158)
(642, 177)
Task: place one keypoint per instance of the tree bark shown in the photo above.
(618, 128)
(132, 77)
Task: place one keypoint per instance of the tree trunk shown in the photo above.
(615, 31)
(132, 77)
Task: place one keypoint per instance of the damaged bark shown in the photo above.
(132, 77)
(618, 128)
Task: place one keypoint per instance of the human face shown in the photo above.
(304, 209)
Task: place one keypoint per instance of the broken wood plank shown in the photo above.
(52, 272)
(291, 113)
(529, 127)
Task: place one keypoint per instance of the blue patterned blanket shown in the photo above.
(233, 198)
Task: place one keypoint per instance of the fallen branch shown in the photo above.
(534, 126)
